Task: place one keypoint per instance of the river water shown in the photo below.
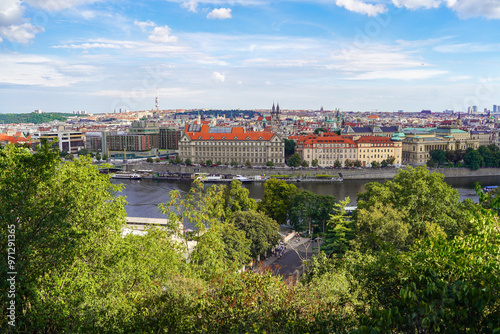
(143, 196)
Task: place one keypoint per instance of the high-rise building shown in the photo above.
(495, 108)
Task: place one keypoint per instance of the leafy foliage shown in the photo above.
(277, 199)
(311, 211)
(261, 230)
(33, 118)
(294, 160)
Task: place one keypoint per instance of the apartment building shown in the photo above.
(379, 148)
(66, 141)
(329, 147)
(200, 142)
(326, 148)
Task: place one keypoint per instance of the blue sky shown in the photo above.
(377, 55)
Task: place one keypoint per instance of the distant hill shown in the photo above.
(225, 113)
(33, 118)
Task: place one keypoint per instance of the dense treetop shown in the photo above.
(411, 259)
(33, 118)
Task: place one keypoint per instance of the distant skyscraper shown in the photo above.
(495, 108)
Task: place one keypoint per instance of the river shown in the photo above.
(143, 196)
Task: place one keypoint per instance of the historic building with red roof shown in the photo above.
(327, 148)
(227, 145)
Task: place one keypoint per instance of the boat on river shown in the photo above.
(127, 176)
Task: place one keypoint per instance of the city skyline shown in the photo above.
(383, 55)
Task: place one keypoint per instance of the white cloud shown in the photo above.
(162, 35)
(361, 7)
(37, 70)
(144, 25)
(471, 8)
(398, 75)
(464, 8)
(467, 48)
(220, 13)
(417, 4)
(11, 12)
(86, 46)
(218, 77)
(56, 5)
(22, 33)
(192, 5)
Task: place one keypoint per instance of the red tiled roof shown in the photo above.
(237, 133)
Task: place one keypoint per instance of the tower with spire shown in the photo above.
(275, 116)
(157, 100)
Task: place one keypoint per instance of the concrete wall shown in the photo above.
(353, 174)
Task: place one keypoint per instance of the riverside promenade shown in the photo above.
(299, 172)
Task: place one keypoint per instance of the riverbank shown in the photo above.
(300, 173)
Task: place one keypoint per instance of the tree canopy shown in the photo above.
(277, 199)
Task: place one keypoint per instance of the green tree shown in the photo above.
(489, 156)
(441, 285)
(432, 163)
(98, 156)
(234, 163)
(348, 163)
(149, 160)
(260, 229)
(358, 163)
(318, 130)
(248, 163)
(66, 220)
(314, 162)
(304, 164)
(391, 160)
(337, 164)
(439, 156)
(294, 160)
(309, 210)
(104, 157)
(237, 246)
(289, 147)
(270, 163)
(339, 231)
(473, 159)
(375, 164)
(428, 203)
(188, 162)
(277, 199)
(236, 198)
(177, 160)
(384, 163)
(84, 151)
(157, 160)
(209, 162)
(380, 225)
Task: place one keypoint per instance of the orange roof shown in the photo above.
(373, 116)
(237, 133)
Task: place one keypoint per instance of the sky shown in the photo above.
(355, 55)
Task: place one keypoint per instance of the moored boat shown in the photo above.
(127, 176)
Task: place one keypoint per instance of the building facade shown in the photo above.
(327, 148)
(227, 145)
(67, 141)
(169, 138)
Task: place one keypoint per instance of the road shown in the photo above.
(295, 253)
